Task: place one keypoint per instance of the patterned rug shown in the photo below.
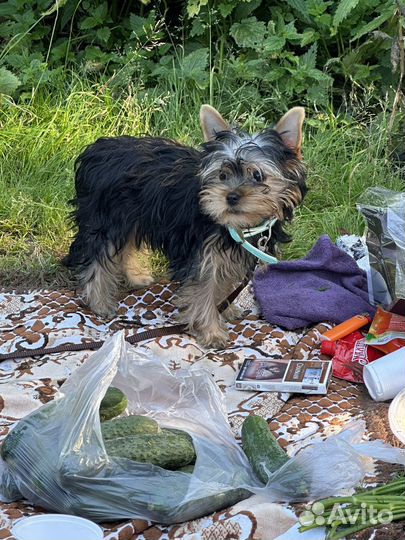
(43, 318)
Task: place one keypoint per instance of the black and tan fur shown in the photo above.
(152, 192)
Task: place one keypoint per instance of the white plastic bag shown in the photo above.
(56, 456)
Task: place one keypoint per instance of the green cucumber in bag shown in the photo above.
(264, 453)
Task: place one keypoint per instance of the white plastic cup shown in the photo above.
(56, 527)
(385, 377)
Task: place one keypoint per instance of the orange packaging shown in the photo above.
(387, 331)
(347, 327)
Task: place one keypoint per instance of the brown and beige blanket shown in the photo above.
(38, 319)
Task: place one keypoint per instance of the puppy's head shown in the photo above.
(249, 178)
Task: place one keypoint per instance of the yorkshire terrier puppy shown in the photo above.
(152, 192)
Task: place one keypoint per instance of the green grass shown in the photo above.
(39, 142)
(344, 159)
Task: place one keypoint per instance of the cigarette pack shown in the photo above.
(268, 375)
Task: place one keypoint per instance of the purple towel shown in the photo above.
(326, 285)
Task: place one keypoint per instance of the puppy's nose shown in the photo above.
(232, 198)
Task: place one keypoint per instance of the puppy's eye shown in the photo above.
(257, 175)
(222, 176)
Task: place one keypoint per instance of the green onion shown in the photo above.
(354, 510)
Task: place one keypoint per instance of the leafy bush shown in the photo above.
(101, 38)
(302, 49)
(308, 51)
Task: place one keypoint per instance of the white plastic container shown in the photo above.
(385, 377)
(56, 527)
(396, 416)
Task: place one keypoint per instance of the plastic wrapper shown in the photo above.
(55, 457)
(387, 331)
(329, 467)
(350, 356)
(384, 212)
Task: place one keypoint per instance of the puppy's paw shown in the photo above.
(213, 338)
(232, 312)
(103, 310)
(140, 281)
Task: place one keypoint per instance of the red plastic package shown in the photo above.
(350, 355)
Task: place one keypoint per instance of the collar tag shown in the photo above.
(240, 237)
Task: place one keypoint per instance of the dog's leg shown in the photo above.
(232, 270)
(135, 267)
(100, 282)
(198, 305)
(219, 274)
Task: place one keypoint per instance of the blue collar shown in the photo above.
(240, 237)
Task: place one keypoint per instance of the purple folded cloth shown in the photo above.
(326, 285)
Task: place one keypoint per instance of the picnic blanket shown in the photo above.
(37, 319)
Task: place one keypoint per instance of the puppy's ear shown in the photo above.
(290, 128)
(212, 122)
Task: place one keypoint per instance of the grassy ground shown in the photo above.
(39, 142)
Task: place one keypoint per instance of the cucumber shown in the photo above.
(182, 434)
(12, 443)
(129, 426)
(167, 450)
(113, 404)
(195, 508)
(264, 453)
(186, 469)
(213, 503)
